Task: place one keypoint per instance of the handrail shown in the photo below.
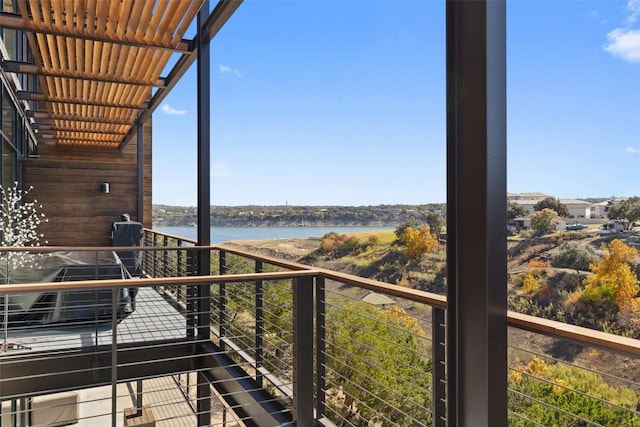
(414, 295)
(550, 328)
(579, 334)
(50, 249)
(83, 285)
(171, 236)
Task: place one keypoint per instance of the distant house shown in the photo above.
(526, 200)
(520, 223)
(528, 204)
(612, 227)
(524, 222)
(600, 209)
(514, 197)
(377, 299)
(577, 208)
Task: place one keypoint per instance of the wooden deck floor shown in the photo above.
(163, 396)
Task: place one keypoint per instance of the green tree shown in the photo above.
(379, 360)
(544, 221)
(627, 212)
(553, 204)
(435, 221)
(515, 210)
(560, 395)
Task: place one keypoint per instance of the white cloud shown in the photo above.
(225, 69)
(220, 170)
(631, 150)
(172, 111)
(633, 6)
(624, 42)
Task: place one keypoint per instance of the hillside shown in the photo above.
(287, 216)
(555, 295)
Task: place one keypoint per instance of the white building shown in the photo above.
(577, 208)
(514, 197)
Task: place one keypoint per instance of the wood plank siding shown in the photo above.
(66, 182)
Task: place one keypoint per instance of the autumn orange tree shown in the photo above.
(614, 278)
(419, 242)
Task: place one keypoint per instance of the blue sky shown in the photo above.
(343, 103)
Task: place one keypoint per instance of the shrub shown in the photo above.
(530, 284)
(574, 255)
(555, 394)
(338, 245)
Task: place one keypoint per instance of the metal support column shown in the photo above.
(140, 161)
(321, 310)
(476, 213)
(204, 206)
(303, 351)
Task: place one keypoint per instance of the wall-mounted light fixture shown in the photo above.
(104, 188)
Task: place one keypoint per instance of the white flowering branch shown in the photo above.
(18, 228)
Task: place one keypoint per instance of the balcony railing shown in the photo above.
(288, 343)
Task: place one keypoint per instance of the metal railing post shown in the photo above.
(179, 269)
(303, 351)
(439, 367)
(321, 308)
(259, 323)
(191, 302)
(114, 356)
(222, 299)
(165, 257)
(153, 255)
(179, 259)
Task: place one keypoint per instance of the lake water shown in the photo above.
(226, 234)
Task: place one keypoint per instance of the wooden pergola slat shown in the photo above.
(98, 61)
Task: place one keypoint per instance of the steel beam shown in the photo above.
(204, 206)
(140, 164)
(476, 213)
(303, 406)
(255, 406)
(38, 373)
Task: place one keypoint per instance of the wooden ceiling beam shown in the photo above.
(92, 138)
(46, 117)
(33, 69)
(15, 22)
(52, 130)
(24, 95)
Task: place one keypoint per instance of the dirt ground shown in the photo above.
(289, 249)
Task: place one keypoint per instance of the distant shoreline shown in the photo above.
(228, 234)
